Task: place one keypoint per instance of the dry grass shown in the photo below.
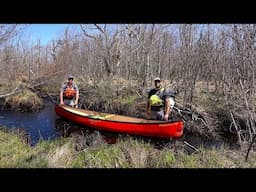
(25, 101)
(60, 157)
(126, 153)
(136, 153)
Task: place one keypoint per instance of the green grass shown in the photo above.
(126, 153)
(103, 157)
(15, 153)
(165, 159)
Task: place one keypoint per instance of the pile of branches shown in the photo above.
(197, 121)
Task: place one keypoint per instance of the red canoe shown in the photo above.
(121, 124)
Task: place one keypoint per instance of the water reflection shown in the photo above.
(46, 125)
(66, 129)
(39, 125)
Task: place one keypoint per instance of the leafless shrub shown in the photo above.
(222, 57)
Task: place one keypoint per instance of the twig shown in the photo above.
(138, 93)
(246, 157)
(52, 99)
(86, 34)
(239, 137)
(191, 146)
(11, 93)
(176, 108)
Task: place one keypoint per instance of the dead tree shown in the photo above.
(108, 44)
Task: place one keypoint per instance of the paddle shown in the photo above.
(94, 116)
(100, 116)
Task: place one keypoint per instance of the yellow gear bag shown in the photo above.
(154, 100)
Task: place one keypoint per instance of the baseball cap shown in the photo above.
(70, 77)
(157, 79)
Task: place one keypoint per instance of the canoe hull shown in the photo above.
(161, 129)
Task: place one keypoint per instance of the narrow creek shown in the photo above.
(46, 125)
(36, 125)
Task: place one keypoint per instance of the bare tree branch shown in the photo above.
(86, 34)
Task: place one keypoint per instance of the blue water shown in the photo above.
(36, 125)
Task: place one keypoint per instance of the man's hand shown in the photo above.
(61, 103)
(166, 116)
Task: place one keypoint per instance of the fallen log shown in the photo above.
(16, 90)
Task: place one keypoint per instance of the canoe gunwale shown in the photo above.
(125, 122)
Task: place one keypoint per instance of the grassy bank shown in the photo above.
(126, 153)
(21, 98)
(127, 98)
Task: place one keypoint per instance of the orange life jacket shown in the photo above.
(69, 92)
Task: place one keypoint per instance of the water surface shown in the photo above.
(37, 125)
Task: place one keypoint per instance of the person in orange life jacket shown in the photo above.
(160, 102)
(69, 93)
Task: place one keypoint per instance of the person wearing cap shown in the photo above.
(69, 93)
(160, 102)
